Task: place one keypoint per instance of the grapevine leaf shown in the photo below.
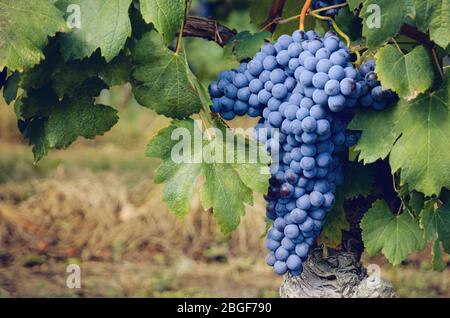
(180, 179)
(409, 74)
(434, 16)
(376, 140)
(225, 193)
(335, 222)
(117, 72)
(24, 30)
(56, 124)
(359, 180)
(11, 87)
(416, 201)
(227, 186)
(421, 153)
(437, 222)
(246, 45)
(259, 11)
(166, 15)
(395, 236)
(105, 24)
(437, 260)
(349, 23)
(392, 15)
(161, 79)
(354, 4)
(67, 76)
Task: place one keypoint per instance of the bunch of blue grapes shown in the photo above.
(372, 94)
(319, 4)
(303, 88)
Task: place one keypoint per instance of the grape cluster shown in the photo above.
(319, 4)
(372, 94)
(303, 87)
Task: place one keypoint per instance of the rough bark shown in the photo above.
(340, 275)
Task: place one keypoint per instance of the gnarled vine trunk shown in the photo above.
(340, 275)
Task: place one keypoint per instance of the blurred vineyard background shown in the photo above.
(95, 205)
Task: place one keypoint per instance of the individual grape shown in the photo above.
(240, 108)
(264, 97)
(320, 79)
(280, 267)
(348, 86)
(324, 65)
(272, 245)
(243, 94)
(255, 86)
(309, 124)
(306, 78)
(275, 119)
(270, 63)
(336, 103)
(310, 63)
(255, 67)
(294, 263)
(302, 250)
(303, 202)
(320, 97)
(279, 91)
(336, 72)
(271, 259)
(332, 87)
(283, 58)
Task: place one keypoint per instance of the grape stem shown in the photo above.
(305, 9)
(183, 23)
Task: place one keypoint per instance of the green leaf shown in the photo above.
(11, 87)
(24, 30)
(393, 14)
(335, 222)
(437, 260)
(161, 80)
(433, 16)
(415, 135)
(396, 236)
(117, 72)
(376, 140)
(359, 180)
(349, 23)
(55, 124)
(436, 223)
(246, 45)
(227, 186)
(66, 77)
(422, 152)
(354, 4)
(259, 11)
(166, 15)
(416, 201)
(105, 24)
(408, 75)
